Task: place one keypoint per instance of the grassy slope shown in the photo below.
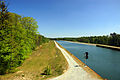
(34, 66)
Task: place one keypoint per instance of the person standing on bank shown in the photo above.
(86, 57)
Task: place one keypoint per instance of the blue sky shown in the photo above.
(71, 18)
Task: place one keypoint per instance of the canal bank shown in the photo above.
(92, 73)
(98, 45)
(109, 47)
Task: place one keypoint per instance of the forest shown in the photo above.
(18, 38)
(113, 39)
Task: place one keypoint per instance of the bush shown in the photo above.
(48, 71)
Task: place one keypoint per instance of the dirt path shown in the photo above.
(74, 71)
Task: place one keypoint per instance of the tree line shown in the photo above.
(113, 39)
(18, 38)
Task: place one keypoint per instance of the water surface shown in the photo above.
(105, 62)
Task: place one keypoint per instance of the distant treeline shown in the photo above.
(113, 39)
(18, 37)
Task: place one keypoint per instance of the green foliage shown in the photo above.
(47, 71)
(113, 39)
(18, 37)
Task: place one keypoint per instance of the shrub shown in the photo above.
(47, 71)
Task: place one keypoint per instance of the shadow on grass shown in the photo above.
(43, 74)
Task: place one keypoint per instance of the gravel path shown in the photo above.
(74, 71)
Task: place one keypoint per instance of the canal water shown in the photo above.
(105, 62)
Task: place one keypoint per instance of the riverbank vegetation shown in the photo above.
(33, 67)
(18, 38)
(113, 39)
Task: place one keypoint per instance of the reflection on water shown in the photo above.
(106, 62)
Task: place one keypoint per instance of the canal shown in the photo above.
(105, 62)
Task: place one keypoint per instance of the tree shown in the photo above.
(18, 37)
(113, 39)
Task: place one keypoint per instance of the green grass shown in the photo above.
(33, 67)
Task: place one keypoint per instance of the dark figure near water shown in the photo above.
(86, 55)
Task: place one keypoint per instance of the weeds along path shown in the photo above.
(74, 72)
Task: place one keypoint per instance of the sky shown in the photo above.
(71, 18)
